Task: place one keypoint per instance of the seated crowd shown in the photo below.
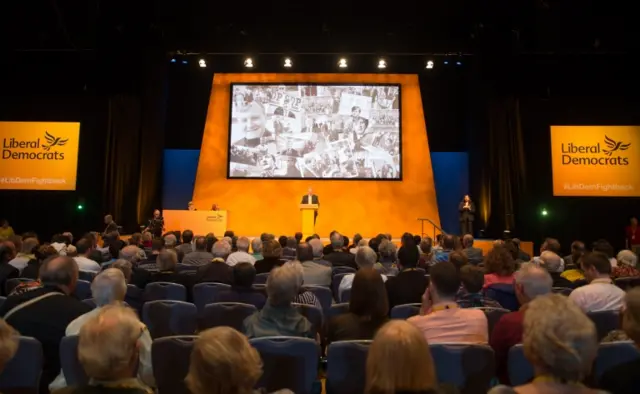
(544, 302)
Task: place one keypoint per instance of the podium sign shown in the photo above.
(308, 212)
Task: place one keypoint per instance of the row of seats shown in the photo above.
(292, 363)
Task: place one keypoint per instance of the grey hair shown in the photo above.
(125, 266)
(221, 249)
(337, 241)
(363, 242)
(243, 244)
(167, 260)
(108, 286)
(283, 284)
(551, 261)
(627, 257)
(227, 240)
(317, 247)
(535, 281)
(467, 240)
(366, 257)
(170, 240)
(387, 248)
(131, 253)
(256, 245)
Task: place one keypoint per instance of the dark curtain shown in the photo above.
(135, 140)
(498, 164)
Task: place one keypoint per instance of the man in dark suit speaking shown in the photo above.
(311, 198)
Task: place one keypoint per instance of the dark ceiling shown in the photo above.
(473, 26)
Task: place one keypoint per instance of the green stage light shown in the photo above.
(544, 212)
(80, 207)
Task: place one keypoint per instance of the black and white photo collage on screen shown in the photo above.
(315, 131)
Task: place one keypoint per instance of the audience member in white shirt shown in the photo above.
(29, 246)
(84, 248)
(600, 294)
(366, 258)
(242, 255)
(109, 288)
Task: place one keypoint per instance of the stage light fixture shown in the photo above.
(458, 63)
(184, 62)
(446, 62)
(382, 63)
(342, 63)
(288, 63)
(173, 60)
(202, 63)
(430, 64)
(248, 62)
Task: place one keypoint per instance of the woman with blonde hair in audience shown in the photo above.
(560, 343)
(626, 267)
(8, 343)
(399, 360)
(499, 266)
(223, 362)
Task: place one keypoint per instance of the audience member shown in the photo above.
(555, 266)
(7, 271)
(399, 361)
(256, 249)
(168, 270)
(522, 255)
(443, 320)
(448, 245)
(109, 288)
(314, 274)
(84, 248)
(368, 307)
(45, 312)
(499, 266)
(242, 289)
(6, 231)
(356, 240)
(626, 268)
(365, 259)
(573, 260)
(410, 283)
(199, 256)
(26, 254)
(271, 252)
(530, 282)
(624, 378)
(140, 275)
(560, 343)
(157, 245)
(9, 343)
(304, 296)
(279, 316)
(223, 362)
(458, 259)
(471, 296)
(338, 257)
(603, 246)
(217, 270)
(600, 294)
(109, 350)
(473, 254)
(242, 254)
(186, 246)
(426, 253)
(289, 250)
(388, 258)
(316, 248)
(134, 294)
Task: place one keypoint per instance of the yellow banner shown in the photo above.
(599, 161)
(39, 155)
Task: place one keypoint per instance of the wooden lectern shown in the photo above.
(308, 217)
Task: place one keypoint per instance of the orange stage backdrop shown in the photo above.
(368, 207)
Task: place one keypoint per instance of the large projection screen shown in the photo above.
(316, 131)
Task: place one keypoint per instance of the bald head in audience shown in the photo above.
(551, 262)
(532, 281)
(60, 271)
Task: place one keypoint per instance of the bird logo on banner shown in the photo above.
(614, 146)
(53, 141)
